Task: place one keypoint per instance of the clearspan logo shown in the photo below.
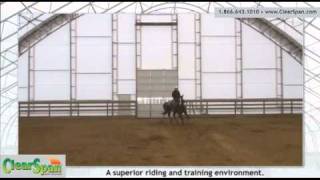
(51, 167)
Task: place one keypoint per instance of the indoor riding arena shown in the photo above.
(92, 87)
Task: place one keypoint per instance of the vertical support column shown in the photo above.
(279, 75)
(70, 68)
(31, 77)
(198, 71)
(138, 43)
(175, 47)
(73, 59)
(239, 62)
(174, 40)
(73, 63)
(150, 94)
(29, 81)
(32, 74)
(115, 53)
(138, 54)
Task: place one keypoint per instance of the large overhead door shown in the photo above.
(154, 87)
(156, 61)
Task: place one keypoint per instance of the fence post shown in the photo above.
(241, 106)
(207, 106)
(193, 110)
(235, 107)
(291, 104)
(107, 109)
(264, 106)
(28, 113)
(136, 108)
(19, 109)
(78, 108)
(112, 108)
(49, 109)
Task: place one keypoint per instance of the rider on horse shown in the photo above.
(175, 106)
(176, 96)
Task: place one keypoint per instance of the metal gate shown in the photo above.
(154, 87)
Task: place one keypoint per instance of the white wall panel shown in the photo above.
(259, 84)
(126, 27)
(210, 25)
(94, 25)
(53, 52)
(22, 94)
(156, 18)
(218, 85)
(293, 91)
(23, 70)
(186, 61)
(52, 85)
(94, 87)
(126, 87)
(292, 70)
(252, 36)
(258, 51)
(186, 27)
(218, 54)
(187, 88)
(126, 59)
(156, 47)
(94, 55)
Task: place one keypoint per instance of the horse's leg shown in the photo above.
(165, 109)
(174, 116)
(185, 113)
(169, 115)
(181, 118)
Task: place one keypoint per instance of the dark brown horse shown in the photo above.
(175, 107)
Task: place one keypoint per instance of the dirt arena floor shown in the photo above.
(217, 141)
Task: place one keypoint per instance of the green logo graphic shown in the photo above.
(52, 168)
